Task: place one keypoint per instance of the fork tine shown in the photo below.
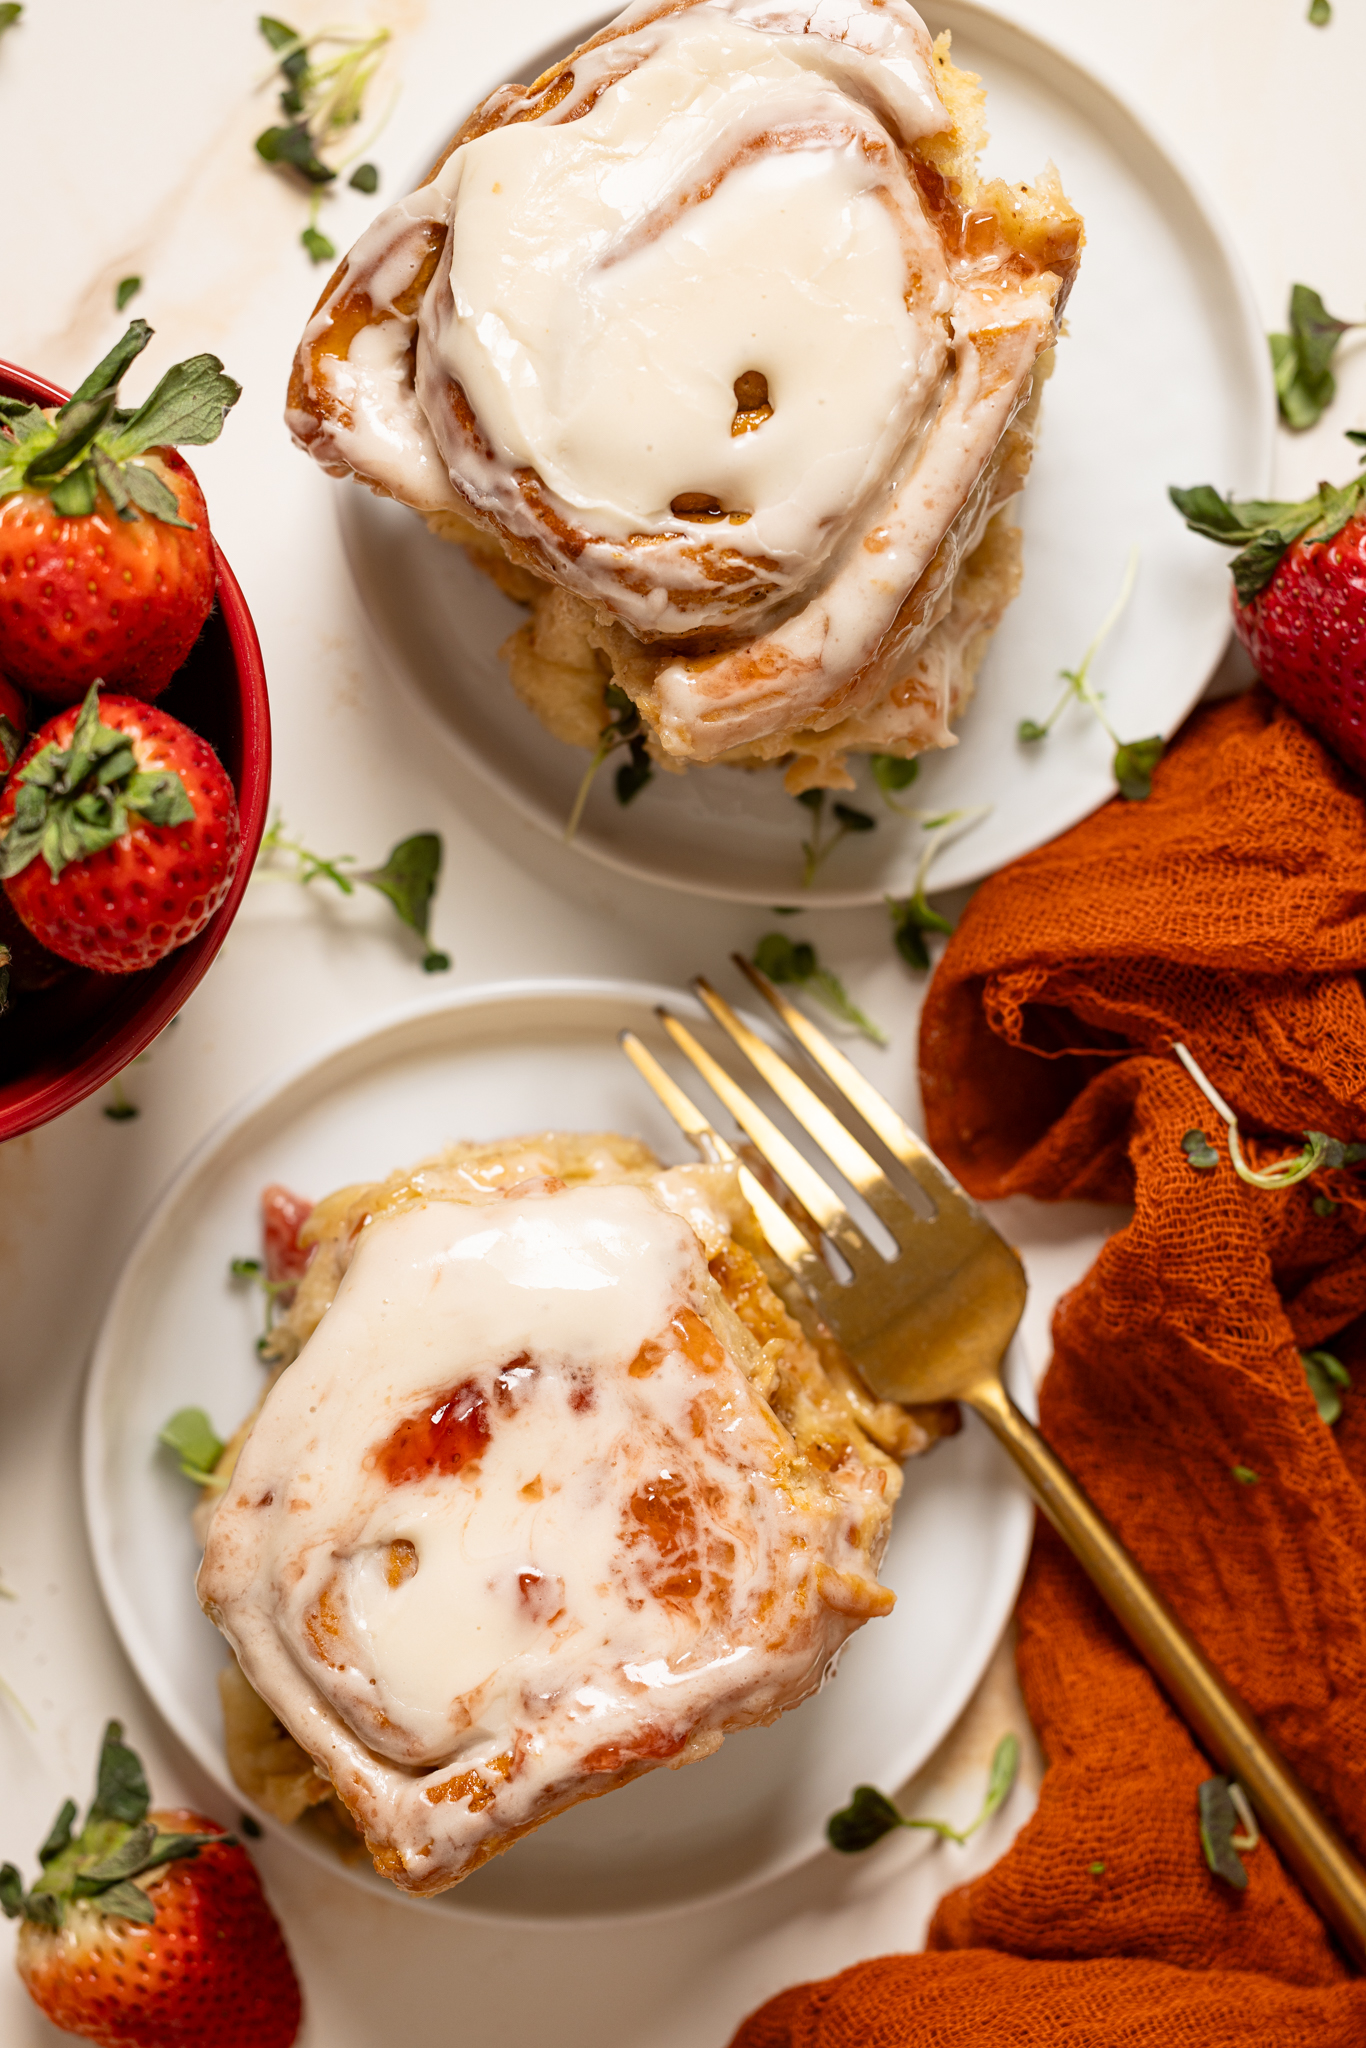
(895, 1133)
(786, 1240)
(839, 1145)
(782, 1155)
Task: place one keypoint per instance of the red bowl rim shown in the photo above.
(182, 971)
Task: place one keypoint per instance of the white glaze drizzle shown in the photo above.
(618, 1570)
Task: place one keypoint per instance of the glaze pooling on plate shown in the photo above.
(518, 1523)
(701, 331)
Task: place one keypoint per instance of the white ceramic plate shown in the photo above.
(488, 1063)
(1163, 378)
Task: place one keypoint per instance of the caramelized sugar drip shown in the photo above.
(445, 1437)
(401, 1561)
(752, 405)
(696, 505)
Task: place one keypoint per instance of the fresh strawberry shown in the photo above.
(13, 726)
(1299, 599)
(119, 834)
(106, 565)
(283, 1216)
(150, 1929)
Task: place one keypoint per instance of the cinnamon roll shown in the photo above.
(549, 1491)
(714, 348)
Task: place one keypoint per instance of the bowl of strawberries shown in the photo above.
(134, 725)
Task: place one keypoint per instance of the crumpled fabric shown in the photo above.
(1228, 910)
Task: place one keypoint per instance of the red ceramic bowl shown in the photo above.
(60, 1045)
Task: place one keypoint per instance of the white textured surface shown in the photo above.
(154, 173)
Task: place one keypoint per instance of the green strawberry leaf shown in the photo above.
(121, 1786)
(152, 494)
(187, 409)
(74, 801)
(11, 746)
(74, 494)
(59, 1834)
(128, 1902)
(159, 797)
(76, 427)
(11, 1891)
(109, 371)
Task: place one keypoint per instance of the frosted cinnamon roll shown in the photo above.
(714, 348)
(549, 1491)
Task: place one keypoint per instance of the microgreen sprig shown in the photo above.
(325, 75)
(818, 846)
(912, 916)
(795, 963)
(408, 878)
(1226, 1826)
(1134, 760)
(1328, 1379)
(623, 729)
(1318, 1149)
(870, 1814)
(197, 1445)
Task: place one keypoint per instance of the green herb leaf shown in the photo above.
(1005, 1762)
(1096, 1869)
(59, 1834)
(633, 775)
(128, 288)
(854, 821)
(869, 1816)
(1245, 1475)
(1327, 1377)
(187, 409)
(786, 960)
(1218, 1825)
(365, 178)
(409, 879)
(191, 1435)
(911, 919)
(1305, 387)
(11, 11)
(1199, 1151)
(277, 33)
(74, 494)
(293, 147)
(317, 245)
(1324, 1207)
(120, 1787)
(1133, 765)
(892, 772)
(1320, 13)
(1030, 730)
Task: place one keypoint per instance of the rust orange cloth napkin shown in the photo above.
(1229, 911)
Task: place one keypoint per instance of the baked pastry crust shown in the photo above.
(302, 1744)
(730, 654)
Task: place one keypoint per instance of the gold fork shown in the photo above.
(934, 1324)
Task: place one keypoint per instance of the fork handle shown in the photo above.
(1311, 1848)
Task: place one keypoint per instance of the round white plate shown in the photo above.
(1163, 378)
(480, 1064)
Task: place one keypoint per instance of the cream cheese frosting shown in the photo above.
(516, 1524)
(698, 337)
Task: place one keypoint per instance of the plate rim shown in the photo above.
(1042, 55)
(101, 1521)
